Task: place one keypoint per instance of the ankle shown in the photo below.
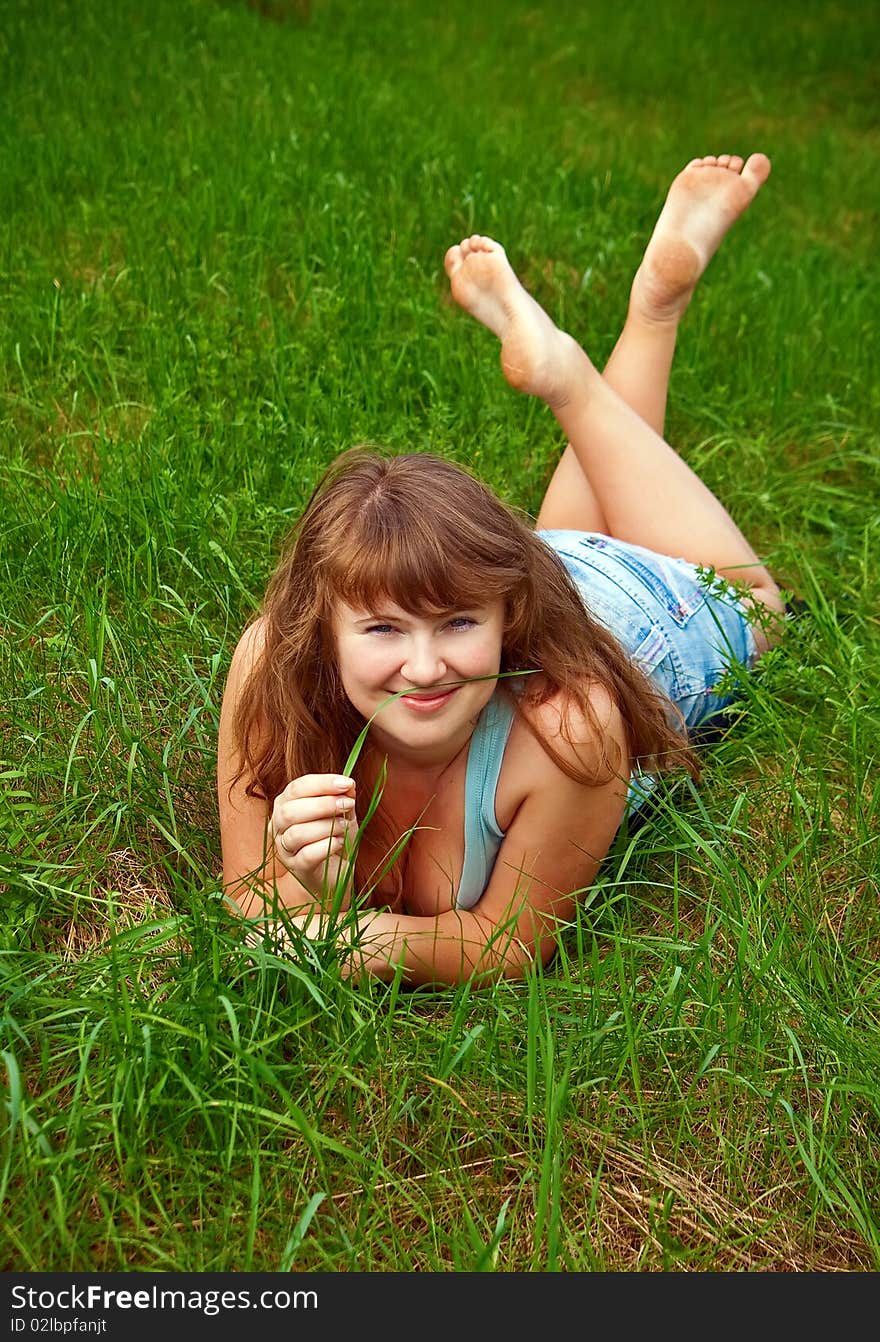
(651, 318)
(652, 306)
(576, 377)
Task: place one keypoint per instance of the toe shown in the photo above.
(724, 160)
(710, 160)
(735, 163)
(452, 259)
(757, 169)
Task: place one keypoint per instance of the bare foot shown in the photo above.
(536, 357)
(703, 201)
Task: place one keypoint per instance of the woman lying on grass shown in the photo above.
(500, 793)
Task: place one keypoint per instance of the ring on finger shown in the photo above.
(281, 841)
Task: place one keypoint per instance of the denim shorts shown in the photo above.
(683, 630)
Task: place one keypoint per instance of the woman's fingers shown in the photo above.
(300, 811)
(294, 838)
(312, 821)
(314, 855)
(312, 863)
(317, 785)
(314, 808)
(301, 801)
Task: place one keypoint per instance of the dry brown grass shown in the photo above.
(126, 894)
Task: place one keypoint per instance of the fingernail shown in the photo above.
(343, 783)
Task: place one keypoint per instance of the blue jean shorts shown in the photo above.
(682, 630)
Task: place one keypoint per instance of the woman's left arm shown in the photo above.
(551, 853)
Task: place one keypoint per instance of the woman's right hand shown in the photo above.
(313, 822)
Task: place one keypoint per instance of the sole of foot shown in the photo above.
(704, 200)
(535, 354)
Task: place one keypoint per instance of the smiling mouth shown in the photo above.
(442, 693)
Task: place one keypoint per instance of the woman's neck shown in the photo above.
(426, 768)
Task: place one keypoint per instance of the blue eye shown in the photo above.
(458, 621)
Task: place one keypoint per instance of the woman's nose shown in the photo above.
(424, 664)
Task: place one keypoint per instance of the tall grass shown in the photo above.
(222, 241)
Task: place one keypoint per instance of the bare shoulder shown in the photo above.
(249, 647)
(245, 657)
(591, 740)
(561, 716)
(593, 743)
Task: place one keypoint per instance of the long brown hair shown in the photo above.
(426, 534)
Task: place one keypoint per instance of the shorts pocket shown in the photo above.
(651, 651)
(656, 657)
(672, 582)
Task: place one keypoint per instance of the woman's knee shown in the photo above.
(767, 615)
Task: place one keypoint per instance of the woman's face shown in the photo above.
(383, 651)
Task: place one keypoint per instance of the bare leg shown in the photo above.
(646, 493)
(703, 201)
(570, 502)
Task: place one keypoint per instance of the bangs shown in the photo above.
(414, 530)
(418, 573)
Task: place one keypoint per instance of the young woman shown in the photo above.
(500, 792)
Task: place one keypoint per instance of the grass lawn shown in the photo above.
(221, 244)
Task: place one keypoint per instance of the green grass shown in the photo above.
(222, 242)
